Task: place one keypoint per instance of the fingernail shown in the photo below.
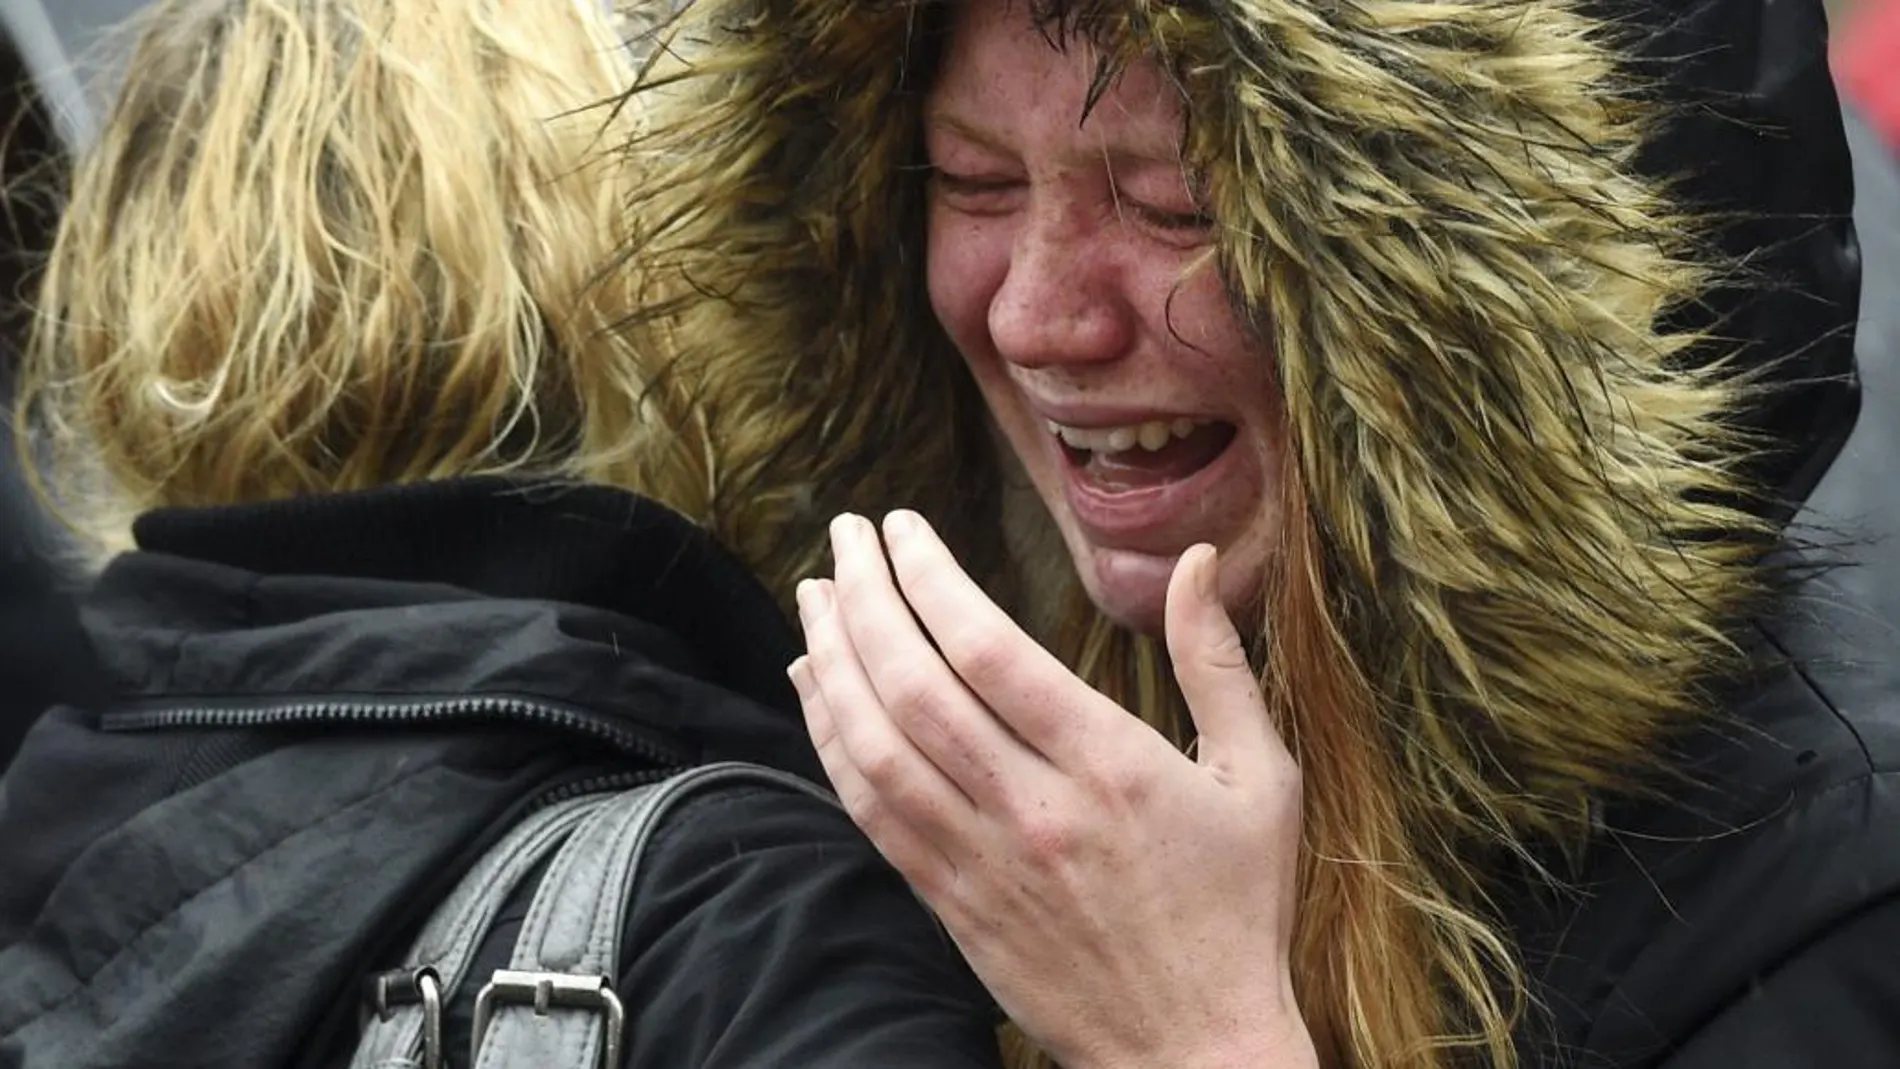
(799, 672)
(902, 523)
(846, 527)
(1207, 582)
(811, 600)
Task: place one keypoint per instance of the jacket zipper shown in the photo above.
(397, 712)
(604, 783)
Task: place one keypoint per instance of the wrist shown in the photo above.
(1288, 1047)
(1276, 1039)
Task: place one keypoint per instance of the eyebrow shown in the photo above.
(1116, 156)
(958, 126)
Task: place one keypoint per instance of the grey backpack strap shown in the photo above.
(554, 1007)
(403, 1026)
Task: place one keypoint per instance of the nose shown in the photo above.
(1060, 303)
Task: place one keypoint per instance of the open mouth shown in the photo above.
(1140, 456)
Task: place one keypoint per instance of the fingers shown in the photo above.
(914, 856)
(903, 778)
(917, 690)
(1210, 664)
(1025, 686)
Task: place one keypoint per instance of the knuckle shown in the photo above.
(1109, 777)
(1117, 788)
(865, 810)
(895, 841)
(912, 689)
(979, 657)
(1227, 654)
(822, 651)
(935, 883)
(823, 732)
(881, 765)
(1046, 836)
(924, 708)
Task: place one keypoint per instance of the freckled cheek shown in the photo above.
(966, 262)
(1202, 317)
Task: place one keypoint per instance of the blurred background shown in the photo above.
(51, 52)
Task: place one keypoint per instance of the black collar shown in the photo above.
(586, 545)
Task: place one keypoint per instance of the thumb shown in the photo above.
(1210, 664)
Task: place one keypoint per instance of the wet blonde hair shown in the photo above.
(325, 245)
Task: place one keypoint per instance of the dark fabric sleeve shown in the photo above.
(1836, 1005)
(765, 932)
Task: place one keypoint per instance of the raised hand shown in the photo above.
(1126, 905)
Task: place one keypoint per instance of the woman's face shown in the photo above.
(1060, 257)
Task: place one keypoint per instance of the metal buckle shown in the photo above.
(546, 991)
(400, 987)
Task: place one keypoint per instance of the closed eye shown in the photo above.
(976, 194)
(974, 185)
(1180, 222)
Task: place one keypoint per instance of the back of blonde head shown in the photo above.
(333, 244)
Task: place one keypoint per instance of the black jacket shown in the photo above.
(325, 709)
(1752, 919)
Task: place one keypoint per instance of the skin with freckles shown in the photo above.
(1070, 264)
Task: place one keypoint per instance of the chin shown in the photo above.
(1130, 589)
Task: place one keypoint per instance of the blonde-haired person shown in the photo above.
(284, 178)
(1372, 327)
(326, 313)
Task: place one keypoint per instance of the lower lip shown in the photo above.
(1148, 520)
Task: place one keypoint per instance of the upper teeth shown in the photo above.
(1151, 435)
